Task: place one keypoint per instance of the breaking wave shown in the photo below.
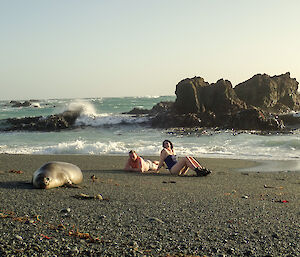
(89, 117)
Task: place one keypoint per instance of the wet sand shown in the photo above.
(233, 212)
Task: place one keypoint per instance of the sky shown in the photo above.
(101, 48)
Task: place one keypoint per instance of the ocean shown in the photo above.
(102, 129)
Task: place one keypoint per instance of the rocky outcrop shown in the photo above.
(171, 120)
(290, 120)
(251, 105)
(255, 119)
(158, 108)
(20, 104)
(162, 107)
(276, 94)
(197, 96)
(30, 103)
(187, 92)
(54, 122)
(137, 111)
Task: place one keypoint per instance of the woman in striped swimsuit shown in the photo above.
(179, 167)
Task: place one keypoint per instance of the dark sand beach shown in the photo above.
(228, 213)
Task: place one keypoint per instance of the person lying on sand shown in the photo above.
(137, 163)
(179, 167)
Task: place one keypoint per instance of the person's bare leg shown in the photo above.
(188, 162)
(178, 167)
(182, 164)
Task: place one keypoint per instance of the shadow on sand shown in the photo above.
(123, 173)
(16, 185)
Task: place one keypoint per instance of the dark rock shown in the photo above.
(70, 116)
(158, 108)
(137, 111)
(197, 96)
(221, 98)
(187, 91)
(255, 119)
(162, 107)
(20, 104)
(199, 103)
(276, 94)
(169, 119)
(54, 122)
(290, 120)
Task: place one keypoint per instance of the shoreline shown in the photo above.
(90, 161)
(228, 213)
(106, 162)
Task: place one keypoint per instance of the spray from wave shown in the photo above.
(83, 107)
(88, 116)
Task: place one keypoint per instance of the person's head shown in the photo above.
(167, 144)
(132, 155)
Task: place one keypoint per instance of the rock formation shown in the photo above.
(253, 104)
(20, 104)
(276, 94)
(54, 122)
(197, 96)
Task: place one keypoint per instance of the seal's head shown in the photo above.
(42, 181)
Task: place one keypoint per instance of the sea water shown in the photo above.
(103, 129)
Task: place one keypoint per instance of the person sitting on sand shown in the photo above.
(179, 167)
(137, 163)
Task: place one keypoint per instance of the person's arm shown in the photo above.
(161, 159)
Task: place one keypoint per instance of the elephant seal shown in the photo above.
(56, 174)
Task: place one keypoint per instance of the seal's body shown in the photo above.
(55, 174)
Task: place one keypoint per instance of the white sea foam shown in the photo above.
(151, 96)
(83, 147)
(85, 108)
(201, 147)
(35, 105)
